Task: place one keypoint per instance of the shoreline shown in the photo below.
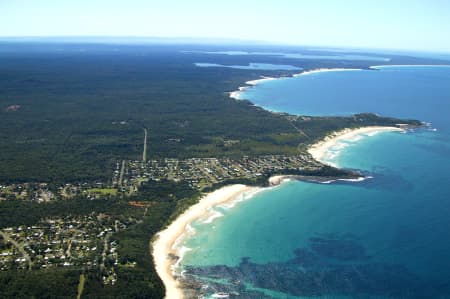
(325, 70)
(382, 66)
(319, 150)
(251, 83)
(164, 251)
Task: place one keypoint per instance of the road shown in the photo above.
(19, 247)
(122, 171)
(105, 250)
(81, 286)
(144, 153)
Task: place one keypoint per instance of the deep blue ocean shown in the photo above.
(385, 237)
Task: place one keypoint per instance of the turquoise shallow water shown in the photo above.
(386, 237)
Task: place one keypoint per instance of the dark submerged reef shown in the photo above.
(330, 265)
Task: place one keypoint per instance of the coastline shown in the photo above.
(382, 66)
(164, 251)
(167, 254)
(324, 70)
(249, 84)
(319, 150)
(236, 94)
(258, 81)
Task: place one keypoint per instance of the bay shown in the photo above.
(386, 237)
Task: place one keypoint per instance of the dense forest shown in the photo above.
(68, 112)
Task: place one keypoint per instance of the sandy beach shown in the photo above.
(322, 70)
(278, 179)
(320, 149)
(163, 246)
(257, 81)
(236, 94)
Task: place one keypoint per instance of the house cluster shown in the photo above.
(204, 172)
(82, 241)
(42, 192)
(127, 176)
(39, 192)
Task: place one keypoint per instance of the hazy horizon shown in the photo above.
(142, 40)
(415, 25)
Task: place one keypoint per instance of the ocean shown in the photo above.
(385, 237)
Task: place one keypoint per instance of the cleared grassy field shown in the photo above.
(103, 191)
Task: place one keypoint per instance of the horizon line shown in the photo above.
(204, 40)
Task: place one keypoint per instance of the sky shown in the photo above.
(422, 25)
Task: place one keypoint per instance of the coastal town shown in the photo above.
(84, 242)
(206, 172)
(87, 242)
(127, 176)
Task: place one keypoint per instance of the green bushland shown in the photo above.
(81, 112)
